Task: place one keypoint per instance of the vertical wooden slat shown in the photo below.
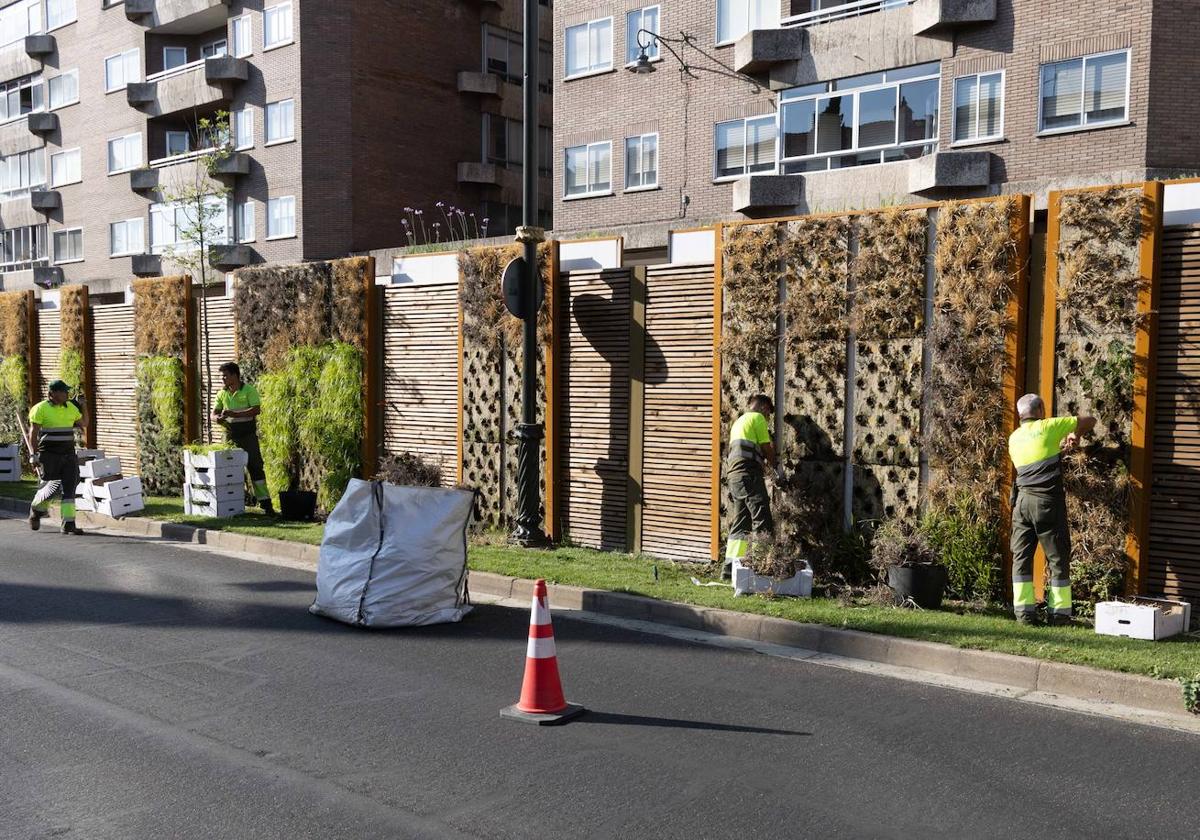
(372, 372)
(31, 368)
(191, 386)
(1142, 438)
(553, 363)
(718, 268)
(1049, 347)
(637, 408)
(89, 371)
(1015, 349)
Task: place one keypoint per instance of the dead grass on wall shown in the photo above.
(889, 275)
(815, 255)
(160, 315)
(350, 281)
(73, 314)
(14, 324)
(752, 270)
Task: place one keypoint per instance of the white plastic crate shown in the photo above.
(1144, 618)
(88, 455)
(100, 468)
(116, 488)
(220, 477)
(120, 507)
(209, 495)
(745, 580)
(217, 510)
(217, 459)
(10, 463)
(85, 499)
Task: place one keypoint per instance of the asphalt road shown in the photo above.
(148, 691)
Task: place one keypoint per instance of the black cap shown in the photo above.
(59, 385)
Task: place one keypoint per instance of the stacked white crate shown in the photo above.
(213, 483)
(104, 489)
(10, 462)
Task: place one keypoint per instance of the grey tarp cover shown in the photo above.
(395, 556)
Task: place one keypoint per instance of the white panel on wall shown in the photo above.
(691, 247)
(589, 255)
(51, 300)
(1181, 204)
(424, 269)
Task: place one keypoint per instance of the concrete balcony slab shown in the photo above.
(146, 265)
(236, 164)
(178, 17)
(144, 180)
(200, 85)
(934, 16)
(231, 256)
(949, 171)
(40, 46)
(42, 123)
(48, 276)
(478, 173)
(758, 194)
(19, 212)
(16, 137)
(17, 63)
(483, 84)
(45, 200)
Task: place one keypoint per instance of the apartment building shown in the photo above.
(823, 105)
(341, 114)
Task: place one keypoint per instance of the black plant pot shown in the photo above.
(297, 505)
(924, 584)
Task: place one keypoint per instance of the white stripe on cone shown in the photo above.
(540, 648)
(540, 614)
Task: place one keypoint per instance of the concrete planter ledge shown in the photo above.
(1022, 674)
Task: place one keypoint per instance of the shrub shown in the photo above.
(14, 376)
(970, 547)
(70, 369)
(159, 396)
(900, 543)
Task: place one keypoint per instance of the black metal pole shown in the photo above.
(528, 527)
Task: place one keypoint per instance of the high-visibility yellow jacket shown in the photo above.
(1036, 451)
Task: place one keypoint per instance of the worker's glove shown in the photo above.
(35, 460)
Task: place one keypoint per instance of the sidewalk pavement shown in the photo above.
(1024, 675)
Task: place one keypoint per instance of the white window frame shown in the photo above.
(591, 193)
(291, 135)
(74, 16)
(27, 12)
(169, 135)
(223, 43)
(274, 236)
(241, 118)
(136, 55)
(593, 68)
(36, 236)
(246, 20)
(291, 36)
(171, 213)
(769, 23)
(54, 234)
(1084, 125)
(33, 83)
(977, 139)
(79, 166)
(641, 138)
(633, 48)
(166, 50)
(763, 118)
(52, 107)
(140, 248)
(245, 221)
(26, 164)
(108, 153)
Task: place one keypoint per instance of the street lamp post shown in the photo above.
(528, 529)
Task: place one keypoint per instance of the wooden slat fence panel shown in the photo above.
(49, 346)
(1173, 569)
(220, 348)
(420, 374)
(116, 406)
(677, 471)
(594, 407)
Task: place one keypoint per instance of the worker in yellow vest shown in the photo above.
(52, 430)
(237, 407)
(750, 453)
(1039, 510)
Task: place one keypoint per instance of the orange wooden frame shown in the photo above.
(553, 525)
(33, 346)
(372, 372)
(718, 326)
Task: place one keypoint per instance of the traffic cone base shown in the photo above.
(542, 700)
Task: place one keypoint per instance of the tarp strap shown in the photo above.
(377, 494)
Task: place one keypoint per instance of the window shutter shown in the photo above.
(1105, 80)
(1062, 90)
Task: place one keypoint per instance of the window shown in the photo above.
(68, 245)
(503, 53)
(862, 120)
(65, 168)
(177, 143)
(22, 172)
(737, 17)
(18, 20)
(20, 97)
(243, 128)
(216, 49)
(589, 47)
(122, 69)
(241, 32)
(64, 89)
(124, 153)
(59, 13)
(171, 224)
(281, 121)
(641, 162)
(588, 170)
(281, 217)
(1085, 92)
(174, 57)
(245, 221)
(635, 22)
(745, 146)
(277, 26)
(127, 237)
(22, 248)
(978, 107)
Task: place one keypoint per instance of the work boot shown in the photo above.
(69, 527)
(35, 520)
(1027, 619)
(1058, 620)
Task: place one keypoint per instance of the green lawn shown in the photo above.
(1079, 645)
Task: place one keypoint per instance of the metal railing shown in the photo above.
(159, 163)
(846, 10)
(175, 71)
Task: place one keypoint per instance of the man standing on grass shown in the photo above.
(237, 406)
(1039, 511)
(750, 452)
(54, 421)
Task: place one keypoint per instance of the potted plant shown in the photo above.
(911, 564)
(771, 568)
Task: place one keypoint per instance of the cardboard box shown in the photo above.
(10, 463)
(745, 580)
(217, 459)
(1143, 618)
(100, 468)
(209, 495)
(85, 500)
(217, 510)
(116, 487)
(120, 507)
(220, 477)
(85, 455)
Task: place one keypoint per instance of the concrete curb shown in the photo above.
(1019, 672)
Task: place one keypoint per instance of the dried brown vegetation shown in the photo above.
(889, 275)
(160, 315)
(14, 324)
(74, 318)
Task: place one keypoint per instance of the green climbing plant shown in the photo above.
(160, 423)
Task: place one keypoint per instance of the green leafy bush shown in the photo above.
(14, 374)
(206, 448)
(159, 399)
(70, 369)
(277, 434)
(970, 549)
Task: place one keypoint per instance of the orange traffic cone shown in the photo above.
(542, 701)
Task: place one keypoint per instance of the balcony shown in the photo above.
(45, 200)
(42, 123)
(151, 178)
(25, 59)
(483, 84)
(22, 210)
(178, 17)
(47, 276)
(17, 135)
(145, 265)
(479, 173)
(231, 256)
(865, 36)
(199, 85)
